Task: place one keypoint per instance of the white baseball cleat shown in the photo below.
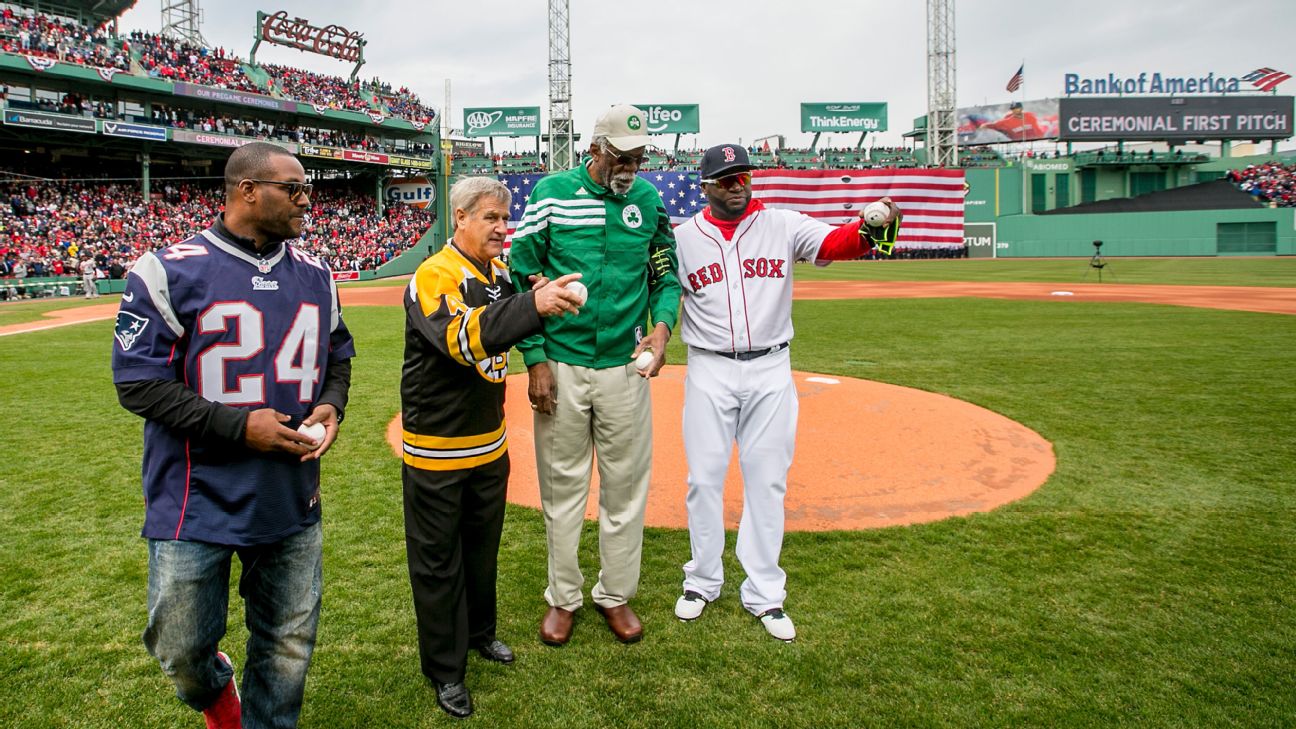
(690, 606)
(778, 624)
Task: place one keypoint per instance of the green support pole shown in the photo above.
(1226, 149)
(145, 163)
(378, 196)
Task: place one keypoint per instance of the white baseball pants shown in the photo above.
(754, 402)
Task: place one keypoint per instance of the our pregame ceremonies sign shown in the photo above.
(494, 121)
(1175, 118)
(672, 118)
(844, 117)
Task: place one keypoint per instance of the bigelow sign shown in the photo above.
(1175, 118)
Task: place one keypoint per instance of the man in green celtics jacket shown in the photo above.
(602, 221)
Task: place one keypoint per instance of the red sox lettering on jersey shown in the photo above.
(751, 268)
(739, 292)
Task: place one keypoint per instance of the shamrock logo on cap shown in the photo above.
(633, 122)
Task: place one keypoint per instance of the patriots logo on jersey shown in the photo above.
(129, 328)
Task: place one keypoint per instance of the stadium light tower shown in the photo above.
(560, 121)
(942, 68)
(180, 20)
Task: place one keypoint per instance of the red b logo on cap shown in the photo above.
(729, 154)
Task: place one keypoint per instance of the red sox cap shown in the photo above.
(724, 159)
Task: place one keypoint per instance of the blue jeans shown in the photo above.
(188, 598)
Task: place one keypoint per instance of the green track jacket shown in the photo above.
(625, 250)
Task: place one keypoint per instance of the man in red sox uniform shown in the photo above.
(735, 264)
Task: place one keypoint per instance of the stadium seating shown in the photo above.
(45, 225)
(40, 34)
(1271, 183)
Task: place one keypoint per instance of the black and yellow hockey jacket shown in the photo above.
(460, 321)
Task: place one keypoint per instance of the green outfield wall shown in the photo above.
(1259, 232)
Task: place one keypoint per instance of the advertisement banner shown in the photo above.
(844, 117)
(227, 96)
(465, 148)
(358, 155)
(46, 120)
(416, 192)
(396, 160)
(1008, 122)
(671, 118)
(346, 275)
(979, 239)
(1175, 118)
(315, 150)
(494, 121)
(135, 131)
(223, 140)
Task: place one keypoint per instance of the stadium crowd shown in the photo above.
(1271, 183)
(38, 34)
(47, 227)
(173, 60)
(41, 35)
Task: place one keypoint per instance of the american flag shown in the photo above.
(931, 200)
(680, 192)
(1015, 82)
(1266, 78)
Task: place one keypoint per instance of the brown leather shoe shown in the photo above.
(624, 623)
(556, 627)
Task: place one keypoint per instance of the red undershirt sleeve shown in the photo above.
(844, 243)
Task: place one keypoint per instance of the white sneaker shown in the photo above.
(778, 624)
(690, 606)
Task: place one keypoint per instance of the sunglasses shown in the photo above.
(741, 179)
(295, 189)
(624, 160)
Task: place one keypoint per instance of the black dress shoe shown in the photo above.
(496, 651)
(455, 699)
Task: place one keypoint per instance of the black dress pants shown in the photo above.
(453, 521)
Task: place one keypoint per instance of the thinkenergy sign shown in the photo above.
(1175, 119)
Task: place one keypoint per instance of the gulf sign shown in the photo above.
(417, 192)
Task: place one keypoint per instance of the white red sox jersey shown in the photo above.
(738, 293)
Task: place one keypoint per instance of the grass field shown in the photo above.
(1150, 582)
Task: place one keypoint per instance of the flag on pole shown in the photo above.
(1266, 78)
(1015, 82)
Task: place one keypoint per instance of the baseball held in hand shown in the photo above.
(578, 288)
(644, 360)
(314, 431)
(876, 214)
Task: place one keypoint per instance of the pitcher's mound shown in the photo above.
(867, 455)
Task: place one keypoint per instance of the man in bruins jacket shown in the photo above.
(462, 314)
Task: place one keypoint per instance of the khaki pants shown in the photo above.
(607, 413)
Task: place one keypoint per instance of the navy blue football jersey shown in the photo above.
(249, 333)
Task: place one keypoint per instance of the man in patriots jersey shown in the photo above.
(462, 313)
(225, 343)
(735, 263)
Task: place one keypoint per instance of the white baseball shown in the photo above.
(579, 289)
(876, 214)
(314, 431)
(644, 360)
